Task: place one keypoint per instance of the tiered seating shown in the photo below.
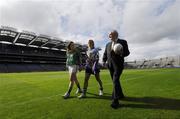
(3, 68)
(26, 51)
(16, 67)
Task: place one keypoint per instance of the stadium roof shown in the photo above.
(11, 35)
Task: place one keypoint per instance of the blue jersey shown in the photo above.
(92, 61)
(93, 54)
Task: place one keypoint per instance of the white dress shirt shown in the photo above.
(113, 43)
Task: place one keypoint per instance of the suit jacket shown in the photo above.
(111, 57)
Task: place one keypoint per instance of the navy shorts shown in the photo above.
(92, 70)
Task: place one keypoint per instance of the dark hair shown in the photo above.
(91, 41)
(69, 46)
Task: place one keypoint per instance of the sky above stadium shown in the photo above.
(151, 27)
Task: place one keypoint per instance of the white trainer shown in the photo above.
(100, 93)
(82, 96)
(66, 95)
(78, 91)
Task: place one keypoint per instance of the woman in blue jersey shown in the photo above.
(92, 67)
(73, 61)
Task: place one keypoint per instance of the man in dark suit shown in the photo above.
(115, 64)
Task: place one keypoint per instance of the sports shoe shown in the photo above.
(100, 93)
(66, 95)
(82, 96)
(78, 91)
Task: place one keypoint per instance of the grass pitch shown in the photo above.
(150, 94)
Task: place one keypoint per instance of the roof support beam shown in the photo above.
(16, 38)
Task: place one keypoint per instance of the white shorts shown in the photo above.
(73, 68)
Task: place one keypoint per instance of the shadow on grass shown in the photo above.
(152, 103)
(106, 96)
(142, 102)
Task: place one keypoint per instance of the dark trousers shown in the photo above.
(116, 72)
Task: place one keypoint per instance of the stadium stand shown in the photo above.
(25, 51)
(165, 62)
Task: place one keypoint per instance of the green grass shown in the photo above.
(150, 94)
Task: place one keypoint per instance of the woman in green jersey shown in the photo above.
(73, 61)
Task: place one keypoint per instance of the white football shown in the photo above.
(118, 49)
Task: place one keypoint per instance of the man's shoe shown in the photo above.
(115, 104)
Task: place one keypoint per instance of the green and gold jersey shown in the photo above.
(73, 58)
